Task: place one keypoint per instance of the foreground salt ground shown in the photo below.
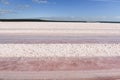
(50, 51)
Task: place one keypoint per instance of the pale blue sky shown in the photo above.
(72, 9)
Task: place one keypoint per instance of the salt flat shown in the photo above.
(59, 39)
(53, 32)
(37, 50)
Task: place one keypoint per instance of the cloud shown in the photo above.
(117, 17)
(107, 0)
(22, 7)
(4, 2)
(3, 11)
(40, 1)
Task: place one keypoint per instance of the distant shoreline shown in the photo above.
(40, 20)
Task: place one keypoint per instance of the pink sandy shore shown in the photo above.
(59, 64)
(62, 75)
(97, 68)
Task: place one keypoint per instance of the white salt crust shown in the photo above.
(59, 29)
(39, 30)
(59, 50)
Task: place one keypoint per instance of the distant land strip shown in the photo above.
(41, 20)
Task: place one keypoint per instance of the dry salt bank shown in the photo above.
(41, 50)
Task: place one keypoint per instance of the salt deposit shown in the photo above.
(49, 31)
(59, 50)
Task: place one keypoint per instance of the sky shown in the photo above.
(61, 9)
